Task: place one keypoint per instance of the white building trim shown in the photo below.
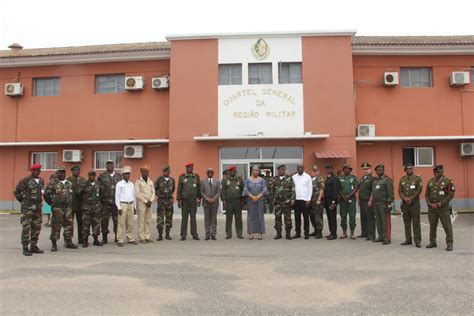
(412, 138)
(283, 137)
(88, 142)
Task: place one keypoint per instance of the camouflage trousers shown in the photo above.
(108, 210)
(31, 219)
(61, 217)
(282, 208)
(316, 216)
(164, 215)
(91, 218)
(348, 208)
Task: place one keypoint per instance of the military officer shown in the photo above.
(409, 190)
(77, 181)
(164, 188)
(367, 215)
(231, 196)
(316, 207)
(381, 200)
(90, 194)
(28, 192)
(189, 198)
(283, 193)
(347, 191)
(439, 192)
(108, 180)
(58, 194)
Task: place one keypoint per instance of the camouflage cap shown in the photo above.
(91, 172)
(166, 167)
(61, 168)
(366, 165)
(347, 166)
(75, 168)
(315, 167)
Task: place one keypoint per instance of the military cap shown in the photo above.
(438, 167)
(61, 168)
(232, 168)
(189, 164)
(75, 168)
(144, 168)
(166, 167)
(127, 169)
(315, 167)
(92, 171)
(380, 166)
(109, 161)
(366, 165)
(329, 166)
(281, 166)
(348, 166)
(36, 166)
(408, 165)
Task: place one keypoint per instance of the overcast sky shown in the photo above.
(50, 23)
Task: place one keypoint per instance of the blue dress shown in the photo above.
(255, 218)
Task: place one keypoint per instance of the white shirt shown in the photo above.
(124, 192)
(303, 186)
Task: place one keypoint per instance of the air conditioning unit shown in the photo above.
(390, 79)
(134, 83)
(366, 130)
(466, 149)
(160, 83)
(459, 78)
(72, 155)
(14, 89)
(135, 151)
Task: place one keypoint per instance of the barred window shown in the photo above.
(109, 83)
(289, 73)
(47, 159)
(260, 73)
(101, 157)
(420, 77)
(230, 74)
(46, 86)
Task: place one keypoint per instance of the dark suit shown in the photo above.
(210, 191)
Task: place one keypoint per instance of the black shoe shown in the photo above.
(54, 246)
(449, 248)
(318, 236)
(35, 249)
(240, 237)
(104, 239)
(296, 236)
(26, 251)
(306, 236)
(213, 238)
(386, 242)
(228, 237)
(85, 244)
(160, 237)
(183, 238)
(80, 240)
(196, 237)
(406, 243)
(115, 239)
(418, 245)
(207, 238)
(97, 242)
(120, 244)
(377, 240)
(70, 245)
(362, 236)
(327, 236)
(431, 245)
(278, 235)
(313, 234)
(168, 237)
(332, 237)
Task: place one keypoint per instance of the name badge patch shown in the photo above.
(441, 192)
(377, 186)
(412, 186)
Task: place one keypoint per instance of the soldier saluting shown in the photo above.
(28, 192)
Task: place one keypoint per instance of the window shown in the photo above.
(109, 84)
(46, 86)
(282, 152)
(230, 74)
(416, 77)
(472, 75)
(47, 159)
(260, 73)
(101, 158)
(418, 156)
(289, 73)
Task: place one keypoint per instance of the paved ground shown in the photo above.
(240, 276)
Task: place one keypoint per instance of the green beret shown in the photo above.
(75, 168)
(366, 165)
(380, 166)
(166, 167)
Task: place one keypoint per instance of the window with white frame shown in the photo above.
(289, 73)
(101, 158)
(230, 74)
(260, 73)
(416, 77)
(46, 86)
(48, 160)
(418, 156)
(109, 83)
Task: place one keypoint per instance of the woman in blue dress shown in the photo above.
(256, 191)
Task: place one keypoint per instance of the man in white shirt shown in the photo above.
(145, 194)
(303, 192)
(125, 201)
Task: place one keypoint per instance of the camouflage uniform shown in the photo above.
(348, 184)
(189, 191)
(315, 210)
(283, 193)
(107, 200)
(59, 196)
(77, 202)
(164, 214)
(29, 193)
(90, 208)
(231, 195)
(411, 187)
(269, 182)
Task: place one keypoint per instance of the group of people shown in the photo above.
(97, 199)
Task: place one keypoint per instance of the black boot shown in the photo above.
(85, 242)
(115, 237)
(97, 242)
(288, 235)
(278, 235)
(160, 237)
(70, 245)
(319, 235)
(104, 239)
(80, 240)
(26, 251)
(54, 246)
(35, 249)
(168, 237)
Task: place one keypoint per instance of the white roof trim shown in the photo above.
(402, 138)
(82, 58)
(88, 142)
(178, 37)
(413, 50)
(283, 137)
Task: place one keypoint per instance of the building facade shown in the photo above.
(243, 99)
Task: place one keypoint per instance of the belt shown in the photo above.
(126, 202)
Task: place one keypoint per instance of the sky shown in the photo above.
(53, 23)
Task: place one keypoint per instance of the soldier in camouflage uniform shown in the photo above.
(58, 194)
(231, 196)
(409, 190)
(77, 181)
(269, 181)
(347, 191)
(439, 193)
(164, 189)
(108, 180)
(189, 198)
(90, 194)
(29, 192)
(283, 193)
(316, 207)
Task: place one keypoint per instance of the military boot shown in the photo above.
(97, 242)
(352, 234)
(54, 246)
(278, 235)
(70, 245)
(288, 235)
(35, 249)
(344, 234)
(116, 240)
(319, 235)
(85, 242)
(160, 237)
(431, 245)
(26, 251)
(168, 237)
(104, 239)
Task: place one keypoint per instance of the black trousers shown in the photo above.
(300, 208)
(332, 218)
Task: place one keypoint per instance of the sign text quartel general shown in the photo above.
(264, 92)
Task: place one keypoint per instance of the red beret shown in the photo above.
(189, 164)
(36, 166)
(232, 168)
